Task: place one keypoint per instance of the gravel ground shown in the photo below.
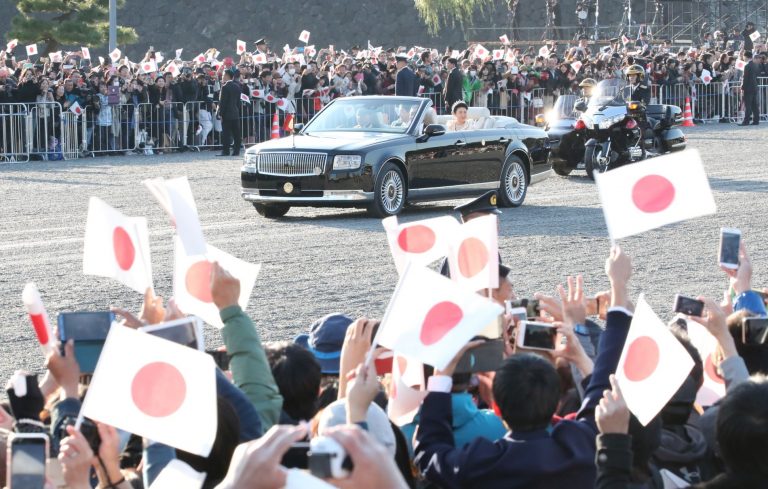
(317, 261)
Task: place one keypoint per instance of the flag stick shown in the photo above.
(80, 419)
(375, 341)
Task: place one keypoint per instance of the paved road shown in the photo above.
(317, 261)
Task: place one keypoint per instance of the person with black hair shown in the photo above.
(750, 87)
(229, 111)
(298, 376)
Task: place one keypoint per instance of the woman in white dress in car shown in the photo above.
(460, 121)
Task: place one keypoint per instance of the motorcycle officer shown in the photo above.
(587, 85)
(635, 79)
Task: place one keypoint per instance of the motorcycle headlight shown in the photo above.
(347, 162)
(608, 122)
(251, 161)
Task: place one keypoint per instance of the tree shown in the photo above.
(57, 23)
(440, 13)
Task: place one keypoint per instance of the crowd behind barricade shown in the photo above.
(66, 105)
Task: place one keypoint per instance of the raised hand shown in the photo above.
(612, 414)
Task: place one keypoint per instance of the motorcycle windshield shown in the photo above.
(564, 107)
(608, 92)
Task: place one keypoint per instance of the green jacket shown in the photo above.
(249, 366)
(471, 87)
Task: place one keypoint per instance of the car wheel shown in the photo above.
(595, 161)
(562, 169)
(389, 192)
(271, 211)
(514, 182)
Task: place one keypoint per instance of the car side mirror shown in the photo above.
(434, 130)
(581, 106)
(297, 128)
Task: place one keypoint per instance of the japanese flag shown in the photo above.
(510, 57)
(419, 242)
(117, 246)
(652, 193)
(55, 57)
(260, 58)
(576, 65)
(175, 197)
(86, 52)
(304, 36)
(173, 69)
(498, 54)
(436, 79)
(155, 388)
(115, 55)
(32, 50)
(309, 50)
(406, 389)
(504, 39)
(431, 318)
(178, 53)
(244, 98)
(282, 104)
(480, 51)
(653, 364)
(270, 98)
(754, 36)
(159, 58)
(192, 281)
(257, 93)
(75, 108)
(178, 474)
(101, 61)
(149, 66)
(740, 64)
(474, 254)
(713, 387)
(411, 53)
(200, 58)
(706, 77)
(624, 39)
(544, 51)
(240, 46)
(420, 90)
(11, 45)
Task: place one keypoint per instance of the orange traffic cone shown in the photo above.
(275, 127)
(687, 115)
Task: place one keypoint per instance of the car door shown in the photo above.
(485, 155)
(437, 163)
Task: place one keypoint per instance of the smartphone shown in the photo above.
(297, 457)
(688, 306)
(89, 330)
(487, 357)
(186, 331)
(27, 456)
(754, 331)
(531, 306)
(729, 247)
(536, 336)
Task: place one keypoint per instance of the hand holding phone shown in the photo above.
(688, 306)
(536, 336)
(730, 240)
(27, 457)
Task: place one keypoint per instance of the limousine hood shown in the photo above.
(327, 141)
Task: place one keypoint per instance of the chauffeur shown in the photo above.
(480, 207)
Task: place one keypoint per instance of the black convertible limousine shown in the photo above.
(383, 152)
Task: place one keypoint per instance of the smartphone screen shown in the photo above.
(531, 306)
(88, 330)
(686, 305)
(27, 464)
(538, 335)
(729, 247)
(187, 331)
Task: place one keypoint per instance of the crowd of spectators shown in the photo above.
(170, 103)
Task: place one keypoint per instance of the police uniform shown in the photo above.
(485, 204)
(640, 93)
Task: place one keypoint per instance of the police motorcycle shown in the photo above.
(566, 143)
(620, 130)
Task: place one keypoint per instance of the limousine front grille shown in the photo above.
(292, 164)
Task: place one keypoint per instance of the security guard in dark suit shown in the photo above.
(749, 90)
(229, 111)
(480, 207)
(455, 84)
(407, 82)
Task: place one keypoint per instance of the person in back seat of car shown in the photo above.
(460, 121)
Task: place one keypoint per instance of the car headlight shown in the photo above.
(347, 162)
(251, 161)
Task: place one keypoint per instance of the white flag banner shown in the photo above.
(155, 388)
(480, 51)
(149, 66)
(192, 281)
(406, 389)
(653, 364)
(576, 65)
(240, 46)
(178, 53)
(117, 246)
(474, 254)
(304, 37)
(55, 57)
(419, 242)
(115, 55)
(175, 197)
(431, 318)
(713, 388)
(32, 50)
(178, 474)
(740, 64)
(652, 193)
(86, 52)
(754, 36)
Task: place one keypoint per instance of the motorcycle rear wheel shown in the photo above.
(591, 163)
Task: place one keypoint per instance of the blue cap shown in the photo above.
(325, 339)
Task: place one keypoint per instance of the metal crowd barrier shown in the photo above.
(13, 132)
(201, 126)
(158, 126)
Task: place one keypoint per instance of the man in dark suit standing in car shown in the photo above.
(229, 111)
(749, 91)
(455, 83)
(406, 83)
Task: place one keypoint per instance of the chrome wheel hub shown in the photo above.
(392, 191)
(515, 182)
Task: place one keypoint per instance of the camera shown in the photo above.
(328, 459)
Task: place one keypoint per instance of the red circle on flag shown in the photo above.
(711, 370)
(158, 389)
(125, 252)
(416, 239)
(443, 317)
(653, 193)
(198, 281)
(642, 359)
(472, 257)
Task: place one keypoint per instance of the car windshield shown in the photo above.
(608, 92)
(387, 115)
